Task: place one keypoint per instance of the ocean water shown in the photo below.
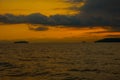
(60, 61)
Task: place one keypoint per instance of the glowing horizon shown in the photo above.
(57, 20)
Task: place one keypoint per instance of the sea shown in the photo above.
(60, 61)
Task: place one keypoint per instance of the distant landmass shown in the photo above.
(21, 42)
(109, 40)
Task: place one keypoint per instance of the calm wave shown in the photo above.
(83, 61)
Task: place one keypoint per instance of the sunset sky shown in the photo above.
(59, 20)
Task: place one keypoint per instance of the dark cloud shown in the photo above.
(11, 19)
(38, 28)
(35, 18)
(76, 20)
(74, 1)
(102, 7)
(93, 13)
(100, 12)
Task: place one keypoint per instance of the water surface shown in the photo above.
(65, 61)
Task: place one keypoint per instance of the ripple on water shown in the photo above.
(6, 65)
(28, 74)
(71, 78)
(85, 70)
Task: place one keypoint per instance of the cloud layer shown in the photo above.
(93, 13)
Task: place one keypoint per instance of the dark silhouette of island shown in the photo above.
(109, 40)
(21, 42)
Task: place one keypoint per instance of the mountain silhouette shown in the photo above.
(109, 40)
(19, 42)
